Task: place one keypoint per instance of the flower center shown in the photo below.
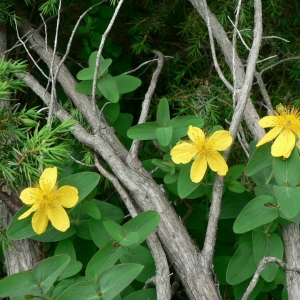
(46, 198)
(288, 123)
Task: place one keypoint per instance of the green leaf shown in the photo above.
(286, 171)
(105, 63)
(140, 255)
(143, 224)
(163, 113)
(234, 173)
(19, 284)
(53, 235)
(242, 265)
(233, 204)
(98, 232)
(109, 211)
(165, 166)
(105, 258)
(127, 83)
(123, 123)
(181, 125)
(260, 159)
(86, 87)
(117, 278)
(85, 182)
(239, 290)
(288, 200)
(170, 178)
(236, 186)
(267, 244)
(93, 58)
(108, 87)
(91, 209)
(66, 247)
(86, 74)
(259, 211)
(164, 135)
(20, 229)
(145, 131)
(81, 290)
(185, 185)
(47, 271)
(115, 230)
(111, 111)
(131, 238)
(71, 269)
(149, 294)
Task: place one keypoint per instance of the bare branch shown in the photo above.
(279, 62)
(213, 50)
(210, 238)
(28, 52)
(264, 91)
(133, 152)
(98, 58)
(145, 63)
(51, 69)
(263, 263)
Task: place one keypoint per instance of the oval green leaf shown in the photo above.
(127, 83)
(242, 265)
(142, 132)
(288, 199)
(164, 135)
(286, 171)
(108, 87)
(267, 244)
(259, 211)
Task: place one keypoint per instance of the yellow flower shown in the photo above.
(286, 123)
(204, 151)
(47, 201)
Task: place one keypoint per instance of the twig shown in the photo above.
(100, 49)
(235, 31)
(27, 51)
(275, 37)
(265, 59)
(239, 33)
(263, 91)
(213, 50)
(279, 62)
(72, 36)
(80, 162)
(243, 142)
(210, 238)
(145, 63)
(260, 268)
(133, 152)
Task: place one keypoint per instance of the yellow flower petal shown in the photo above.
(30, 195)
(217, 163)
(196, 135)
(284, 144)
(33, 208)
(67, 196)
(272, 134)
(40, 220)
(219, 140)
(48, 179)
(198, 168)
(269, 121)
(183, 153)
(296, 130)
(58, 217)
